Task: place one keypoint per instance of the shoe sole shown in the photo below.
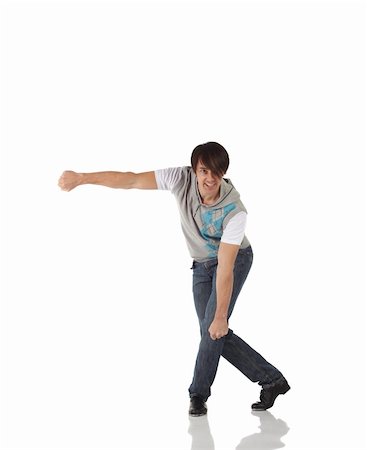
(197, 415)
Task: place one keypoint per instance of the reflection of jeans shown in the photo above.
(231, 347)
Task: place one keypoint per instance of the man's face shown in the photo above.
(209, 184)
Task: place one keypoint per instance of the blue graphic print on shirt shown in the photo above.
(212, 229)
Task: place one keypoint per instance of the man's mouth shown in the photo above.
(210, 186)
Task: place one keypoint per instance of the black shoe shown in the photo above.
(197, 407)
(269, 394)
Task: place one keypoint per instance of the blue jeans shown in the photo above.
(231, 347)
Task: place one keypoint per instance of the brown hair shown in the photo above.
(213, 155)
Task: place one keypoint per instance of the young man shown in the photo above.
(213, 221)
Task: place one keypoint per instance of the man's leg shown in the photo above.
(244, 357)
(202, 288)
(256, 368)
(210, 350)
(248, 361)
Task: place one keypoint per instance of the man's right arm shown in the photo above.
(118, 180)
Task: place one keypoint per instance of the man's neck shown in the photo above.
(209, 200)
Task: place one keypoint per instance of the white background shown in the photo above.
(98, 328)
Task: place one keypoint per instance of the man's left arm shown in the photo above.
(227, 254)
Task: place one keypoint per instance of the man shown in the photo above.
(213, 221)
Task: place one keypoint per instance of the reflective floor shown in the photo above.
(268, 436)
(82, 415)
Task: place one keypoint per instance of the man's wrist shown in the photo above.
(83, 178)
(220, 315)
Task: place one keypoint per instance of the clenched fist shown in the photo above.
(69, 180)
(218, 328)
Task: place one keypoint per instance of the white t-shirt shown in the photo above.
(233, 233)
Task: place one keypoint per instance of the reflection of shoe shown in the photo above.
(269, 394)
(197, 406)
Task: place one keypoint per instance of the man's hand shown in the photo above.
(218, 328)
(69, 180)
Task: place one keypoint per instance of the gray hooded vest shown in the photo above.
(201, 224)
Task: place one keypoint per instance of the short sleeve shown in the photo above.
(167, 179)
(234, 232)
